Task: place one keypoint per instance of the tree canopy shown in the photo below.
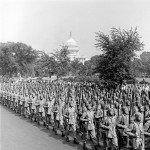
(118, 50)
(16, 58)
(116, 64)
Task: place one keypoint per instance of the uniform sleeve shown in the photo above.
(83, 115)
(146, 126)
(119, 120)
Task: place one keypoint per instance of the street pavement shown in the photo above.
(18, 133)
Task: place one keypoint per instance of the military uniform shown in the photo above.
(110, 124)
(122, 124)
(72, 120)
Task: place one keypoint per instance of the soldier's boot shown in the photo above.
(77, 131)
(44, 124)
(81, 135)
(75, 141)
(62, 134)
(67, 139)
(15, 110)
(56, 132)
(38, 120)
(47, 126)
(84, 146)
(97, 146)
(91, 138)
(30, 117)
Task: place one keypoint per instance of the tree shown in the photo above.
(91, 64)
(63, 61)
(137, 67)
(8, 66)
(46, 65)
(118, 50)
(145, 59)
(75, 67)
(17, 58)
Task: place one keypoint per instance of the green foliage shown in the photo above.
(45, 65)
(63, 61)
(141, 66)
(145, 59)
(137, 67)
(58, 63)
(76, 67)
(118, 50)
(16, 58)
(92, 64)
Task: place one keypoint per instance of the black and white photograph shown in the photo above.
(74, 74)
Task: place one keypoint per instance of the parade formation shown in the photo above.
(110, 119)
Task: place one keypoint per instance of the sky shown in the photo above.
(46, 24)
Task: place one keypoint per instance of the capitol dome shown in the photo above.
(72, 46)
(71, 42)
(74, 50)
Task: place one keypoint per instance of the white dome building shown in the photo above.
(74, 50)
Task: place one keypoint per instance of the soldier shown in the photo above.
(13, 99)
(88, 118)
(26, 106)
(141, 112)
(16, 102)
(72, 120)
(41, 111)
(79, 122)
(147, 112)
(33, 107)
(22, 101)
(46, 113)
(147, 132)
(122, 124)
(50, 110)
(98, 119)
(137, 133)
(61, 119)
(56, 117)
(110, 125)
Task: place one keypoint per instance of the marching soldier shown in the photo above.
(98, 119)
(137, 132)
(33, 107)
(147, 133)
(56, 117)
(110, 125)
(123, 123)
(41, 112)
(88, 118)
(72, 120)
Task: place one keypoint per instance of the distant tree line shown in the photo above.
(117, 63)
(21, 59)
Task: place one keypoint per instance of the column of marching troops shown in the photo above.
(115, 119)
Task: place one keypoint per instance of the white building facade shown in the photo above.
(74, 50)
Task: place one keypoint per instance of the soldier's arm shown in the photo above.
(105, 125)
(147, 133)
(65, 114)
(129, 131)
(98, 115)
(146, 126)
(119, 124)
(148, 118)
(83, 117)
